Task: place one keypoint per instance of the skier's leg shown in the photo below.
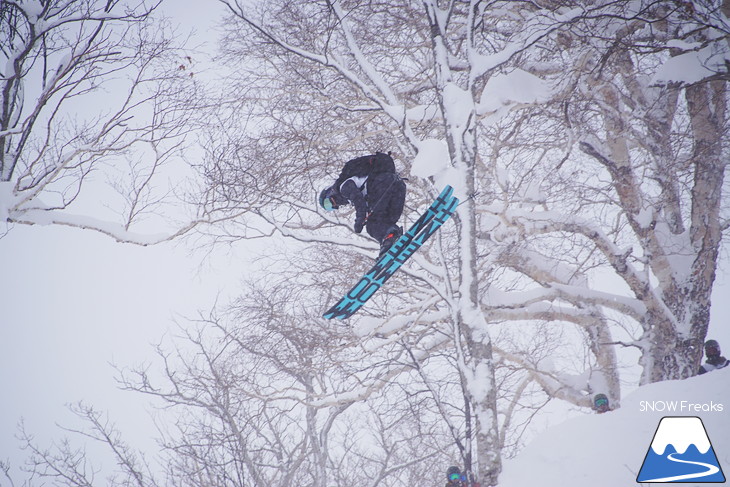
(386, 233)
(389, 215)
(377, 229)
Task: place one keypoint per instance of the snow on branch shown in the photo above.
(116, 231)
(531, 33)
(542, 311)
(555, 384)
(534, 302)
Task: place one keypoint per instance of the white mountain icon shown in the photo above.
(681, 432)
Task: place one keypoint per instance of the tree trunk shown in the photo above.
(676, 335)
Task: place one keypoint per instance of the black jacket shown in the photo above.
(381, 198)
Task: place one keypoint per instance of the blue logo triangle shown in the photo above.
(681, 452)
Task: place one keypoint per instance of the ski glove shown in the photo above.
(359, 224)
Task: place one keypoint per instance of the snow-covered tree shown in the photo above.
(666, 165)
(323, 82)
(645, 98)
(89, 114)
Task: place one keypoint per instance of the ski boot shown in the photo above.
(390, 238)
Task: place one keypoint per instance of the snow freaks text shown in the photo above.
(680, 407)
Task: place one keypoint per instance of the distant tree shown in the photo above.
(264, 395)
(63, 463)
(89, 113)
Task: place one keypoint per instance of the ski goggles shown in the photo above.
(601, 402)
(454, 477)
(329, 203)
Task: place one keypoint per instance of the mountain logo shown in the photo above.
(680, 452)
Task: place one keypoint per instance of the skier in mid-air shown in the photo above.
(371, 184)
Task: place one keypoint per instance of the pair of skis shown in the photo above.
(430, 221)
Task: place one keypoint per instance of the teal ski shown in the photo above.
(429, 222)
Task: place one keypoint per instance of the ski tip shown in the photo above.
(330, 316)
(338, 312)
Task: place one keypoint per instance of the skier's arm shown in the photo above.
(350, 191)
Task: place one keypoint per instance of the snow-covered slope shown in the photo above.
(607, 450)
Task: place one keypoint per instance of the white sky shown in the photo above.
(72, 301)
(75, 301)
